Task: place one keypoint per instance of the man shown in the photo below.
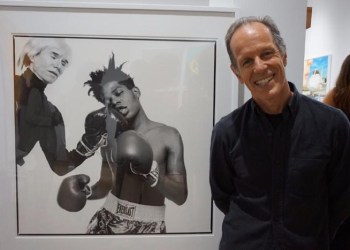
(142, 163)
(37, 119)
(280, 163)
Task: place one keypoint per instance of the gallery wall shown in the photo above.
(289, 16)
(328, 34)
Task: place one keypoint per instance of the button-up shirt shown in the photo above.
(285, 186)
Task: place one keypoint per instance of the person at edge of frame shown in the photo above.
(37, 119)
(339, 97)
(279, 164)
(142, 163)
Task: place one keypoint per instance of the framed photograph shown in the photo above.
(181, 80)
(316, 82)
(175, 78)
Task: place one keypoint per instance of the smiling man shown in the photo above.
(142, 163)
(280, 163)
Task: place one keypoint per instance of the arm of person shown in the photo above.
(339, 174)
(102, 187)
(94, 137)
(173, 184)
(220, 176)
(36, 113)
(75, 190)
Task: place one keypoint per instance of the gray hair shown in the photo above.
(267, 21)
(34, 46)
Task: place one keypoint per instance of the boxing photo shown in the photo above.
(111, 133)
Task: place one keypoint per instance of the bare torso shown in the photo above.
(132, 187)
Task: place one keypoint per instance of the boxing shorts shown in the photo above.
(122, 217)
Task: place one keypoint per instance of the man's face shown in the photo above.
(260, 65)
(124, 100)
(49, 64)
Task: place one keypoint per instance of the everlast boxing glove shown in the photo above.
(95, 135)
(134, 151)
(73, 192)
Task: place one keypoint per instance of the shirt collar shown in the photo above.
(33, 81)
(292, 105)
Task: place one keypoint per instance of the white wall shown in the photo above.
(329, 32)
(290, 17)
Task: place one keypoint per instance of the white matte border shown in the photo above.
(224, 6)
(20, 20)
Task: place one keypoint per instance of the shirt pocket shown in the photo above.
(306, 177)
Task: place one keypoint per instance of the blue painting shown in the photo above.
(316, 81)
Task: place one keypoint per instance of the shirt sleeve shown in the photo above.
(36, 113)
(221, 183)
(339, 175)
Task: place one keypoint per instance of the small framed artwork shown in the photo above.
(316, 81)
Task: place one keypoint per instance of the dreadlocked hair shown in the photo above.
(111, 73)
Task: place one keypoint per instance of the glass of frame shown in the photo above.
(182, 73)
(175, 78)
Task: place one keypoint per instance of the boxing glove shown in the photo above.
(153, 176)
(95, 135)
(135, 152)
(73, 192)
(122, 123)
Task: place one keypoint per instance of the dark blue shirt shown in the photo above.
(285, 186)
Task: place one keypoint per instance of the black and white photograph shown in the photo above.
(111, 135)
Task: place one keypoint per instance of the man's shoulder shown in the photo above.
(235, 116)
(231, 125)
(162, 129)
(318, 106)
(323, 112)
